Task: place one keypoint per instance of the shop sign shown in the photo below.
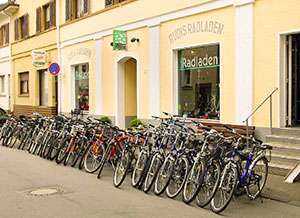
(119, 40)
(38, 58)
(80, 52)
(197, 62)
(202, 26)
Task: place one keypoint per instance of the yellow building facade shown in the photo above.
(33, 48)
(209, 59)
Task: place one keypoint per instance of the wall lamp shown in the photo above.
(135, 40)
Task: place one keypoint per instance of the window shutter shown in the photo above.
(1, 36)
(16, 29)
(68, 7)
(86, 6)
(7, 33)
(38, 19)
(52, 14)
(26, 26)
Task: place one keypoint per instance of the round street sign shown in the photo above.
(54, 69)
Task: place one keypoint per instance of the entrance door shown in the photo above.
(43, 87)
(127, 91)
(293, 80)
(203, 93)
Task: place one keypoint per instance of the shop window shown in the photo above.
(4, 34)
(24, 83)
(82, 86)
(113, 2)
(198, 82)
(2, 85)
(22, 27)
(45, 17)
(76, 9)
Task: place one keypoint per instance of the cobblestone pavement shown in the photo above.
(84, 196)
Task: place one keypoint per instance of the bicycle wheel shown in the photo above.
(258, 177)
(156, 162)
(194, 181)
(210, 183)
(122, 168)
(178, 177)
(164, 175)
(93, 157)
(225, 190)
(62, 152)
(104, 159)
(15, 139)
(137, 173)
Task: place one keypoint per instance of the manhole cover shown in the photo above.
(44, 191)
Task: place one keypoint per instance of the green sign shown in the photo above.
(119, 40)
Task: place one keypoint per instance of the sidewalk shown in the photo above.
(277, 189)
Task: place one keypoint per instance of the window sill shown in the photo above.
(23, 95)
(2, 95)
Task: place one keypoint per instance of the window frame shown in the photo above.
(22, 27)
(2, 85)
(176, 84)
(21, 93)
(73, 67)
(72, 9)
(4, 35)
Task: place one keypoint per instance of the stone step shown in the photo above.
(283, 139)
(292, 132)
(279, 169)
(286, 160)
(285, 149)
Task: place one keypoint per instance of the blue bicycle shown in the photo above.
(245, 167)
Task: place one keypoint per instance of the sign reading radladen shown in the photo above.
(202, 26)
(199, 62)
(39, 58)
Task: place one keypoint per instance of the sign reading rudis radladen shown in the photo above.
(199, 62)
(39, 58)
(119, 40)
(202, 26)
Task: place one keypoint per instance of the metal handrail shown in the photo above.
(257, 108)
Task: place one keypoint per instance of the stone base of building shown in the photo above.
(27, 110)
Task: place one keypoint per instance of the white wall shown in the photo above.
(5, 71)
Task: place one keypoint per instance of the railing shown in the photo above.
(257, 108)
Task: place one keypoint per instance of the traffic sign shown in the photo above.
(54, 69)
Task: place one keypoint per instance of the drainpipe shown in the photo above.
(59, 58)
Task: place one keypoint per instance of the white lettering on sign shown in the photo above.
(199, 62)
(207, 26)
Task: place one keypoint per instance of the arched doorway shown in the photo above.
(126, 91)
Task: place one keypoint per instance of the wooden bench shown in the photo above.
(241, 129)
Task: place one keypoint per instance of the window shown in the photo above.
(4, 35)
(2, 84)
(24, 83)
(82, 86)
(198, 82)
(45, 17)
(76, 9)
(22, 27)
(112, 2)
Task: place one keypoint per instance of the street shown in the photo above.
(83, 195)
